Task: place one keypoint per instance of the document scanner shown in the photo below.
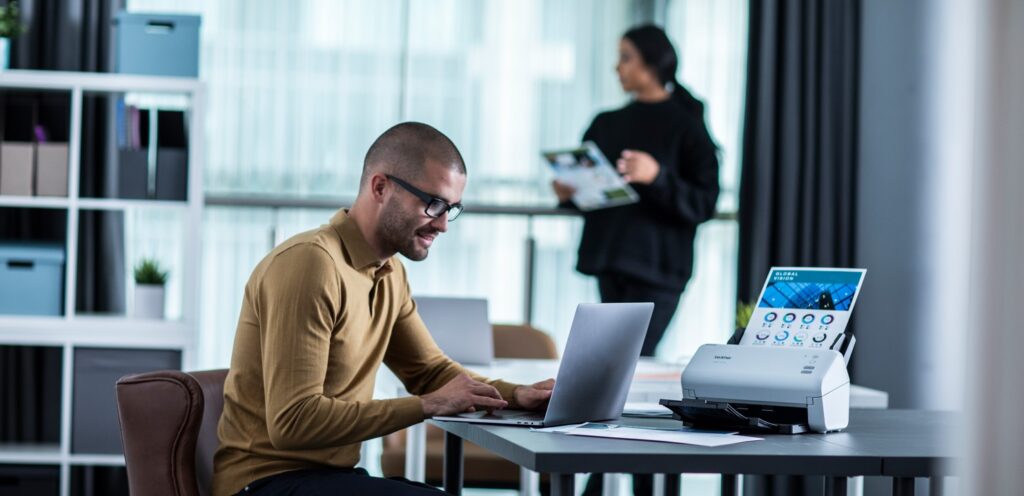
(767, 389)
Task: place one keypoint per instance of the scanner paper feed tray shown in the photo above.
(743, 417)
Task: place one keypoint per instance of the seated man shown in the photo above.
(320, 314)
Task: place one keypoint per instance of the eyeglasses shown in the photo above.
(435, 205)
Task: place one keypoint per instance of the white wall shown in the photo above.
(996, 449)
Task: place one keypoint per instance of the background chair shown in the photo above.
(482, 468)
(169, 430)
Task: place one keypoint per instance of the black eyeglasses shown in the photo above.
(435, 205)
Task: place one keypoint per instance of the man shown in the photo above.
(320, 314)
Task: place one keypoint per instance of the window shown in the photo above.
(298, 91)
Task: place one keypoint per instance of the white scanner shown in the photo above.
(769, 389)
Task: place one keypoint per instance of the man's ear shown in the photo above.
(378, 183)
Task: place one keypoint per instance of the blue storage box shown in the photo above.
(157, 44)
(31, 279)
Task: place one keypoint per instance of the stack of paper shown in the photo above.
(682, 435)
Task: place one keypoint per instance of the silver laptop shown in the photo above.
(460, 326)
(596, 371)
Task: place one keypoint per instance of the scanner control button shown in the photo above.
(762, 335)
(819, 337)
(782, 336)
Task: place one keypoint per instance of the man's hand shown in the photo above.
(638, 167)
(535, 396)
(461, 394)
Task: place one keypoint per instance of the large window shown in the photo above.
(298, 91)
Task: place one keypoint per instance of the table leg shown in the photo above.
(528, 482)
(902, 486)
(937, 486)
(416, 452)
(452, 464)
(563, 484)
(672, 484)
(835, 486)
(730, 485)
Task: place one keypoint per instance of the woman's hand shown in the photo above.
(563, 191)
(637, 167)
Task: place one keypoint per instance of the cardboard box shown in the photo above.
(16, 168)
(52, 169)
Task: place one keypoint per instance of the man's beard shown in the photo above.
(398, 231)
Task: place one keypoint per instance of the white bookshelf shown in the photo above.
(70, 330)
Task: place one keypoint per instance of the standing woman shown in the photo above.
(644, 251)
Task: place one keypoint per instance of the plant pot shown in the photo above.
(149, 301)
(5, 53)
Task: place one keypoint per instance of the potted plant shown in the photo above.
(10, 26)
(150, 279)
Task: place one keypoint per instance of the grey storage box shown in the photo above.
(16, 168)
(132, 174)
(32, 276)
(94, 424)
(171, 173)
(157, 44)
(52, 169)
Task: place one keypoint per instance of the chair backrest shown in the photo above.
(165, 416)
(522, 341)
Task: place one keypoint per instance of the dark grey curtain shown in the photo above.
(798, 186)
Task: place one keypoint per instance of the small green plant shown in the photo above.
(148, 271)
(743, 313)
(10, 22)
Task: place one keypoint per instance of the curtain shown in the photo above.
(799, 174)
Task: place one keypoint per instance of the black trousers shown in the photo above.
(335, 482)
(616, 288)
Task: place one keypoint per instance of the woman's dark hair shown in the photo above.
(658, 54)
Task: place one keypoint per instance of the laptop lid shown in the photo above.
(460, 327)
(599, 362)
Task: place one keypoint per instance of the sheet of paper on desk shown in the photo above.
(678, 436)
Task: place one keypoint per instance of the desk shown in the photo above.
(902, 444)
(653, 381)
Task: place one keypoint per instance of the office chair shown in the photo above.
(169, 430)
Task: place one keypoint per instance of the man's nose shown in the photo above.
(440, 223)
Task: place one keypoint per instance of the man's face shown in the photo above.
(404, 226)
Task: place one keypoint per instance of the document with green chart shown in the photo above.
(597, 183)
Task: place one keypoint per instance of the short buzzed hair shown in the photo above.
(405, 149)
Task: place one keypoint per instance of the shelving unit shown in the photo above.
(73, 332)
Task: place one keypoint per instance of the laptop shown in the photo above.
(460, 327)
(596, 371)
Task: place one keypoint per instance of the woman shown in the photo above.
(644, 251)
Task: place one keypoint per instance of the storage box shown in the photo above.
(132, 174)
(31, 279)
(52, 169)
(94, 425)
(171, 173)
(157, 44)
(16, 168)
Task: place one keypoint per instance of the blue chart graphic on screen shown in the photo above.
(810, 290)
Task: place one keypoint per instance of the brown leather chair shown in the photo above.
(481, 467)
(169, 430)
